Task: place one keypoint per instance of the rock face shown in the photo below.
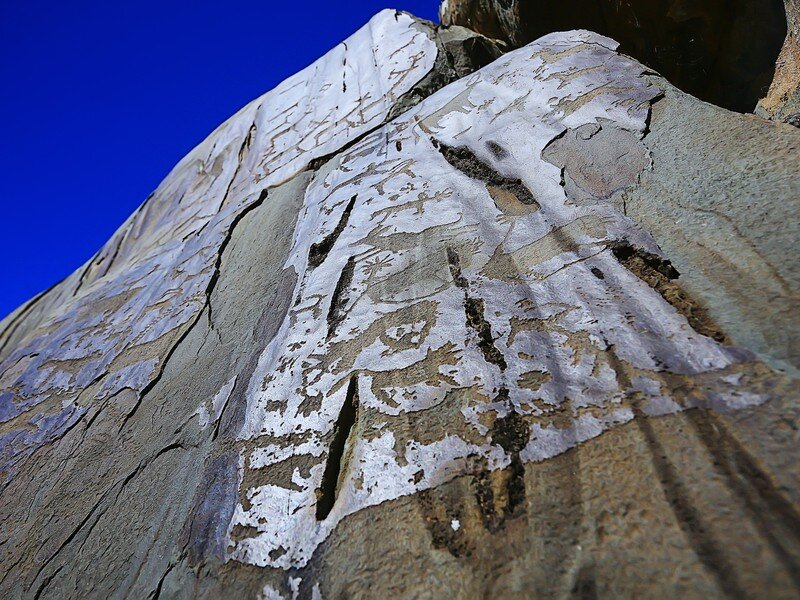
(783, 99)
(405, 325)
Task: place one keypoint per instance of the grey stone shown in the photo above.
(721, 199)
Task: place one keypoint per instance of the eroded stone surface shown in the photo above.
(112, 323)
(445, 354)
(522, 326)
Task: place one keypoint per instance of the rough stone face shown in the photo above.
(782, 102)
(398, 328)
(721, 199)
(723, 52)
(109, 326)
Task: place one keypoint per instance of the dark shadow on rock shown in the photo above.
(721, 51)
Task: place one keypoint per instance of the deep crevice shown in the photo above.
(243, 149)
(465, 160)
(340, 297)
(659, 274)
(454, 262)
(474, 309)
(46, 582)
(207, 305)
(156, 594)
(319, 250)
(326, 495)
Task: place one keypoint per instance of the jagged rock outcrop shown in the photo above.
(404, 327)
(782, 102)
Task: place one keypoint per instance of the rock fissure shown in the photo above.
(209, 290)
(474, 309)
(340, 296)
(319, 250)
(465, 160)
(501, 494)
(660, 275)
(335, 465)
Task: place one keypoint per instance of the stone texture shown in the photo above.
(721, 200)
(782, 102)
(109, 326)
(527, 331)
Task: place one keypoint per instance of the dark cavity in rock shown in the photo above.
(467, 162)
(659, 274)
(319, 250)
(339, 300)
(326, 496)
(720, 52)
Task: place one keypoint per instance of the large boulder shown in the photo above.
(398, 327)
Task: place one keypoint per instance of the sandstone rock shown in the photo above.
(782, 102)
(533, 333)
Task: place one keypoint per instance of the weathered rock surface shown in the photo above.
(782, 102)
(396, 328)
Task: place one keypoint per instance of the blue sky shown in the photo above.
(100, 99)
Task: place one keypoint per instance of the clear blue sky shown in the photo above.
(100, 99)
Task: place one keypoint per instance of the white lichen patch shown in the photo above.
(118, 317)
(447, 306)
